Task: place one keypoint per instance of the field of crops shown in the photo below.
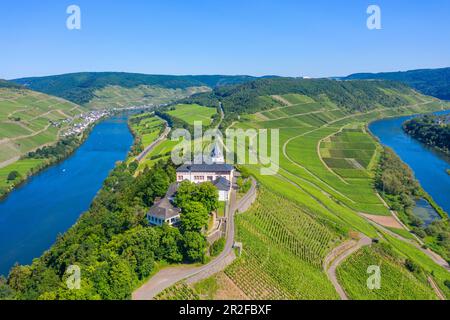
(193, 112)
(283, 252)
(179, 291)
(120, 97)
(349, 153)
(25, 120)
(397, 283)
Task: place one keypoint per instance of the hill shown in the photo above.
(98, 90)
(433, 82)
(29, 120)
(261, 94)
(323, 191)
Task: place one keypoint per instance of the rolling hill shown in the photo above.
(28, 122)
(97, 90)
(433, 82)
(323, 191)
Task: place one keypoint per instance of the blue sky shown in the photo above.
(257, 37)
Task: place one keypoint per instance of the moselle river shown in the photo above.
(32, 216)
(428, 165)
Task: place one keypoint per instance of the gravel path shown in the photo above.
(337, 256)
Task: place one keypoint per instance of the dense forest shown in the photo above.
(432, 82)
(113, 244)
(397, 184)
(431, 130)
(9, 84)
(80, 87)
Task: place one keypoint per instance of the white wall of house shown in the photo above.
(223, 195)
(199, 177)
(159, 222)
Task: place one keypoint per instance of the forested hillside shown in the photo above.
(431, 130)
(82, 88)
(351, 96)
(433, 82)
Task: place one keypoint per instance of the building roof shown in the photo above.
(215, 167)
(163, 209)
(222, 184)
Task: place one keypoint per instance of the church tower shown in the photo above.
(217, 154)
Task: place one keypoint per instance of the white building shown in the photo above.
(218, 172)
(163, 211)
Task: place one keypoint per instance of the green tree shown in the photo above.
(13, 175)
(194, 217)
(170, 245)
(194, 246)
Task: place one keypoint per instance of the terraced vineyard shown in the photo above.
(349, 153)
(29, 120)
(25, 120)
(283, 251)
(180, 291)
(121, 97)
(397, 283)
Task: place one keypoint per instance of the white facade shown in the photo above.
(200, 177)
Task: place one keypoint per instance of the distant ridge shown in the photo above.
(80, 87)
(433, 82)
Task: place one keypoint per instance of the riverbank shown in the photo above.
(37, 165)
(51, 202)
(410, 174)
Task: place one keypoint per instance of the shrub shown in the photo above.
(217, 247)
(411, 265)
(13, 175)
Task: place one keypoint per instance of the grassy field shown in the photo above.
(24, 167)
(193, 112)
(120, 97)
(25, 120)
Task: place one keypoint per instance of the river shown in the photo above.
(49, 203)
(428, 165)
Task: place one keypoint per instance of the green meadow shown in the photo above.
(189, 113)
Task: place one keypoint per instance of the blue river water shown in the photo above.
(51, 202)
(428, 165)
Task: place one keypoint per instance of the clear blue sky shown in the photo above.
(256, 37)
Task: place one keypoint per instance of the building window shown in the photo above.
(210, 178)
(199, 178)
(180, 178)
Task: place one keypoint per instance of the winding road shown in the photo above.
(170, 276)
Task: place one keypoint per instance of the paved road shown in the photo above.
(337, 256)
(168, 277)
(149, 148)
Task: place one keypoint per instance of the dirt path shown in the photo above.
(337, 256)
(436, 288)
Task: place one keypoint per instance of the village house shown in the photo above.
(163, 211)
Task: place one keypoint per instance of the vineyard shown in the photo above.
(179, 291)
(349, 153)
(283, 252)
(397, 283)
